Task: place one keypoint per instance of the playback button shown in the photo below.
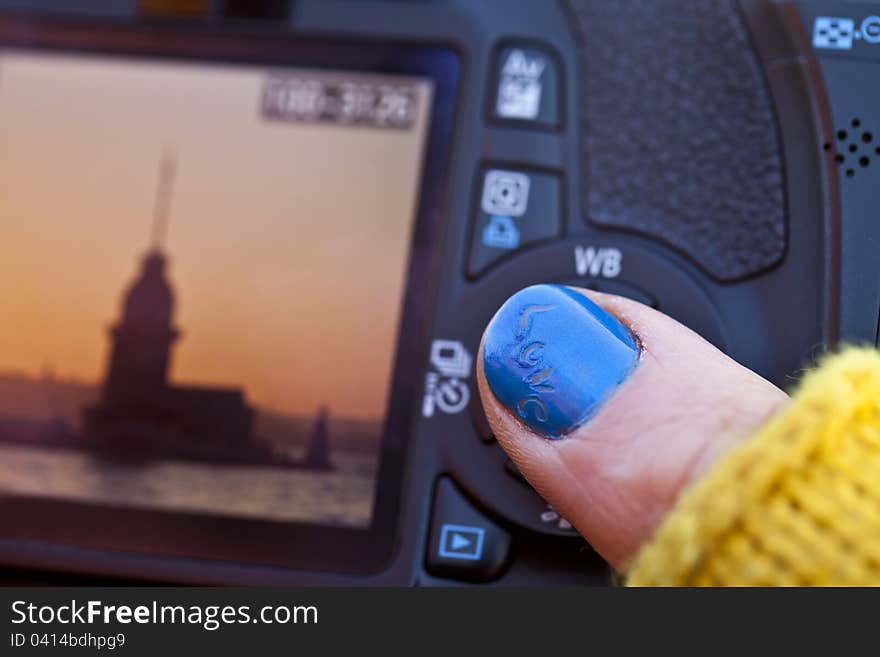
(515, 209)
(463, 543)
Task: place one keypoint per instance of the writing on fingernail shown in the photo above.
(553, 356)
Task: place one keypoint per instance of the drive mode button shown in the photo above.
(516, 209)
(463, 543)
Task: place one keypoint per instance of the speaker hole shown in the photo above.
(841, 134)
(856, 123)
(867, 137)
(838, 158)
(850, 173)
(826, 146)
(877, 150)
(853, 148)
(864, 161)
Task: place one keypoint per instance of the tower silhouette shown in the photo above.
(142, 340)
(140, 412)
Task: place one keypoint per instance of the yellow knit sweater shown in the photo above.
(798, 504)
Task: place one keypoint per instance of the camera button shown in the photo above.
(614, 286)
(481, 424)
(527, 85)
(463, 543)
(513, 471)
(516, 209)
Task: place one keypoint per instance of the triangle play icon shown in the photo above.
(459, 541)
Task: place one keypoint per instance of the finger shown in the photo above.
(610, 408)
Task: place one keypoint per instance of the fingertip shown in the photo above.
(627, 424)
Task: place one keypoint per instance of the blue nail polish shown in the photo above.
(553, 357)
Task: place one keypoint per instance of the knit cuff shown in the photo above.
(797, 504)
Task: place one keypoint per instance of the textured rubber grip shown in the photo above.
(679, 137)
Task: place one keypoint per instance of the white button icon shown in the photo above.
(450, 358)
(505, 192)
(833, 33)
(446, 389)
(519, 86)
(870, 30)
(837, 33)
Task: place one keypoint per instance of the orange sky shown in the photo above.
(288, 243)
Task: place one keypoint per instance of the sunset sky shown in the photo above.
(287, 243)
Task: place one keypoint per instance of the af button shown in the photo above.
(516, 209)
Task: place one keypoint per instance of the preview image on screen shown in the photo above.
(201, 272)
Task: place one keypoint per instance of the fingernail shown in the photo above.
(553, 357)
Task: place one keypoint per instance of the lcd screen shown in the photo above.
(202, 271)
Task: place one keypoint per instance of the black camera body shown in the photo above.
(718, 160)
